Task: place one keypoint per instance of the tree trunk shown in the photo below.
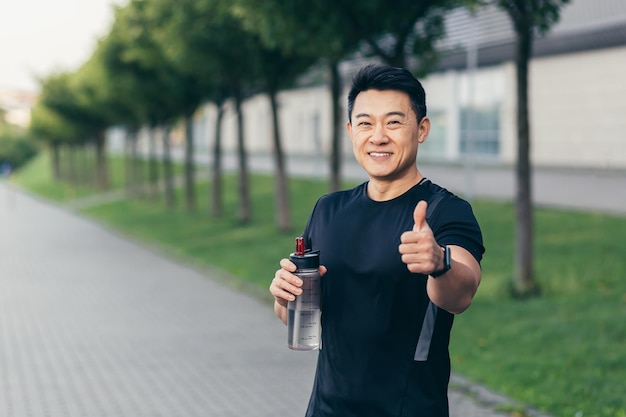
(523, 284)
(335, 157)
(137, 166)
(168, 174)
(128, 162)
(63, 162)
(102, 172)
(216, 190)
(245, 212)
(282, 186)
(87, 175)
(56, 161)
(72, 175)
(134, 176)
(190, 191)
(153, 169)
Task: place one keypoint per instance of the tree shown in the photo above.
(278, 69)
(16, 145)
(62, 118)
(405, 34)
(96, 111)
(200, 38)
(167, 26)
(154, 92)
(314, 29)
(334, 29)
(128, 89)
(52, 129)
(527, 16)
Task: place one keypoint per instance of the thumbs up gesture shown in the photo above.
(420, 251)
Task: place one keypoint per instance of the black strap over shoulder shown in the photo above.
(432, 204)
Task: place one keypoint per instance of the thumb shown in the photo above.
(419, 216)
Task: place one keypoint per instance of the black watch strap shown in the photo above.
(446, 263)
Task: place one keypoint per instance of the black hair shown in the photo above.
(384, 77)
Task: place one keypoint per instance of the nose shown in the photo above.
(379, 136)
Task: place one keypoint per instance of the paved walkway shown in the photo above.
(92, 324)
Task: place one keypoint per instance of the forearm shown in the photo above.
(281, 311)
(454, 290)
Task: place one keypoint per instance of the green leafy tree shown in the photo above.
(401, 33)
(57, 118)
(173, 28)
(132, 93)
(208, 44)
(82, 101)
(315, 29)
(527, 17)
(148, 85)
(16, 146)
(95, 109)
(277, 70)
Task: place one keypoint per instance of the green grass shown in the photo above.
(563, 352)
(36, 177)
(249, 251)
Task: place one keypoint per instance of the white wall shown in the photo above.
(579, 109)
(304, 119)
(577, 103)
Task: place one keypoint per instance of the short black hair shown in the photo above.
(384, 77)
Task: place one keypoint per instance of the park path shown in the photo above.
(94, 324)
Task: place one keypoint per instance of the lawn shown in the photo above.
(563, 352)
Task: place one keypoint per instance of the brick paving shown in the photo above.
(93, 324)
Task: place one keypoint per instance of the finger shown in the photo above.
(288, 265)
(419, 216)
(282, 289)
(323, 270)
(281, 297)
(410, 237)
(418, 263)
(408, 248)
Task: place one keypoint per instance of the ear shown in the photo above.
(423, 129)
(349, 129)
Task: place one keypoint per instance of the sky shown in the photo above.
(41, 37)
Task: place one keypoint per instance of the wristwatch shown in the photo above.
(446, 263)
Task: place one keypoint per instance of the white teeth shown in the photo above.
(380, 154)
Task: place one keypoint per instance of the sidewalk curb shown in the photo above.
(490, 399)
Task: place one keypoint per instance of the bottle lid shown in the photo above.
(307, 260)
(304, 258)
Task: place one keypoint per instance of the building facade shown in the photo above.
(577, 95)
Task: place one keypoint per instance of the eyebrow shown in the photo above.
(391, 113)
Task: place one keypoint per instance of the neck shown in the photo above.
(381, 190)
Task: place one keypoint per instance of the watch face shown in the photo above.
(447, 264)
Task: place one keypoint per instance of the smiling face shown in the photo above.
(385, 136)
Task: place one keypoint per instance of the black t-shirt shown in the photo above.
(384, 344)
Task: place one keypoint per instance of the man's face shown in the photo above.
(385, 134)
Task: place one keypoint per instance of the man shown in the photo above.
(394, 272)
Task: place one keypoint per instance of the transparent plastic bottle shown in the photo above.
(304, 319)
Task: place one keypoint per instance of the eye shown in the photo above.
(363, 123)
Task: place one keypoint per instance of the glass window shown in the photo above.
(435, 145)
(480, 131)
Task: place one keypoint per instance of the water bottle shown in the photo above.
(304, 319)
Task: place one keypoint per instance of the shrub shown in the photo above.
(16, 147)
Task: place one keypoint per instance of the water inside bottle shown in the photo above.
(304, 331)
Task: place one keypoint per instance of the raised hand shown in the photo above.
(419, 249)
